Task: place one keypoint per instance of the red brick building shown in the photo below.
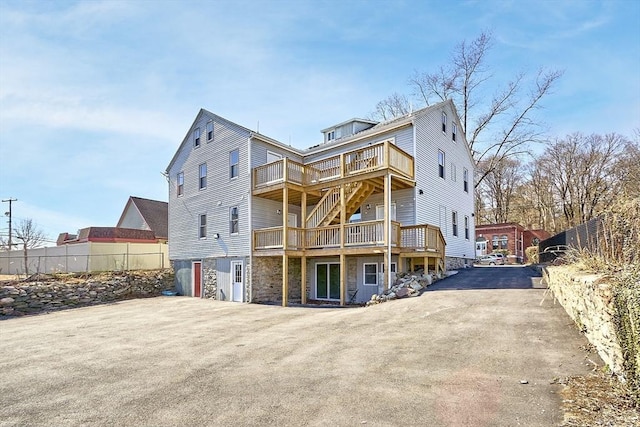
(510, 237)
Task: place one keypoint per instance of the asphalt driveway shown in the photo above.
(455, 356)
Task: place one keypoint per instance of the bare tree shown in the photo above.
(497, 126)
(628, 168)
(395, 105)
(582, 173)
(499, 188)
(31, 237)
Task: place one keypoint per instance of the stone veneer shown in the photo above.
(20, 298)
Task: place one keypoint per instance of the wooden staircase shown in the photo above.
(327, 211)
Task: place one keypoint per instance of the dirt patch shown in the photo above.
(598, 400)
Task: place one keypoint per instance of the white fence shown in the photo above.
(85, 257)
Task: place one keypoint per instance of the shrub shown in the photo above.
(532, 254)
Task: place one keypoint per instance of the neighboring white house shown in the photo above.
(252, 219)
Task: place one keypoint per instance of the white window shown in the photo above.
(494, 242)
(466, 227)
(234, 161)
(234, 220)
(454, 222)
(394, 266)
(209, 131)
(273, 157)
(465, 179)
(441, 164)
(453, 172)
(196, 137)
(203, 176)
(504, 241)
(444, 121)
(380, 212)
(180, 183)
(454, 131)
(370, 274)
(202, 233)
(331, 136)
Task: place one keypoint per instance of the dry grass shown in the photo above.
(598, 400)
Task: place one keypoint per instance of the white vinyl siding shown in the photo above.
(442, 193)
(184, 213)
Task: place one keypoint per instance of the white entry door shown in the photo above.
(237, 280)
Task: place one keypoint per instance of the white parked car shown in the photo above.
(491, 259)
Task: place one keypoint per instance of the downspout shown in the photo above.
(388, 272)
(249, 208)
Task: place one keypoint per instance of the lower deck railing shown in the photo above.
(360, 234)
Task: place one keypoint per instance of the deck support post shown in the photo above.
(303, 283)
(386, 230)
(285, 280)
(343, 279)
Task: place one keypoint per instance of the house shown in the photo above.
(107, 235)
(510, 238)
(252, 219)
(141, 221)
(146, 214)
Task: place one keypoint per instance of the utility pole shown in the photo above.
(10, 200)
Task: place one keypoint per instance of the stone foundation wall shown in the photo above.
(589, 301)
(267, 279)
(210, 278)
(20, 298)
(455, 263)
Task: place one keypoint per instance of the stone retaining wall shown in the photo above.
(589, 301)
(20, 298)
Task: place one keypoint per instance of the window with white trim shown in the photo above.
(380, 211)
(495, 242)
(454, 131)
(202, 173)
(444, 121)
(234, 216)
(196, 137)
(504, 241)
(441, 164)
(370, 274)
(234, 162)
(394, 267)
(466, 227)
(465, 180)
(210, 131)
(331, 135)
(202, 226)
(454, 222)
(180, 183)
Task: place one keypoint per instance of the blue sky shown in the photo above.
(95, 97)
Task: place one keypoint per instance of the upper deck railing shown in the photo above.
(383, 155)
